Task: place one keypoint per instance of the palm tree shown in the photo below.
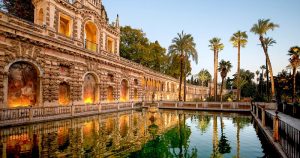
(294, 52)
(216, 46)
(268, 42)
(224, 68)
(261, 28)
(239, 39)
(184, 46)
(204, 76)
(257, 73)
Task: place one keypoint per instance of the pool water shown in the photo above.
(163, 133)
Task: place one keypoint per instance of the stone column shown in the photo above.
(276, 128)
(263, 117)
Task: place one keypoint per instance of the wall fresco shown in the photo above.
(22, 85)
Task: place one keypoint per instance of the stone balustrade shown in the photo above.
(16, 116)
(216, 106)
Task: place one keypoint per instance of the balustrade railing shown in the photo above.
(287, 134)
(33, 114)
(92, 46)
(244, 106)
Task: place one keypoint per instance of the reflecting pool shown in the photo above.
(141, 133)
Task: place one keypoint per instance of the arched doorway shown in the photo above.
(64, 94)
(90, 36)
(110, 96)
(89, 89)
(23, 85)
(124, 91)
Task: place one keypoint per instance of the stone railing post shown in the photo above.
(276, 127)
(30, 113)
(72, 110)
(263, 117)
(256, 107)
(197, 105)
(205, 105)
(176, 104)
(118, 106)
(132, 105)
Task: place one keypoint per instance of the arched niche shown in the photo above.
(90, 34)
(110, 95)
(124, 91)
(135, 96)
(89, 89)
(64, 94)
(23, 85)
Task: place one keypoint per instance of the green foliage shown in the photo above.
(239, 39)
(216, 45)
(204, 76)
(263, 26)
(23, 9)
(135, 46)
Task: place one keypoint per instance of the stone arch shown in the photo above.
(64, 93)
(87, 19)
(91, 36)
(124, 91)
(90, 90)
(22, 84)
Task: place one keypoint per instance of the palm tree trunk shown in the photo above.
(294, 84)
(181, 72)
(238, 73)
(221, 91)
(270, 66)
(215, 74)
(238, 138)
(184, 84)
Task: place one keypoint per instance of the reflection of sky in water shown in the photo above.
(250, 145)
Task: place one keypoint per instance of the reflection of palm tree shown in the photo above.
(203, 123)
(215, 153)
(224, 146)
(240, 123)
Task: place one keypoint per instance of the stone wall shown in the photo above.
(59, 59)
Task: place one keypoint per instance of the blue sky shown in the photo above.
(161, 20)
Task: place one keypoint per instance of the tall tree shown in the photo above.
(224, 68)
(23, 9)
(294, 52)
(136, 46)
(185, 47)
(239, 39)
(216, 46)
(261, 28)
(268, 42)
(204, 76)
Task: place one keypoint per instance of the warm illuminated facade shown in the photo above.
(70, 56)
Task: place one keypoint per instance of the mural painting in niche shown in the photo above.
(64, 94)
(22, 85)
(89, 90)
(124, 90)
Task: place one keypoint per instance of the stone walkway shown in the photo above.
(294, 122)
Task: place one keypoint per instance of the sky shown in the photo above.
(161, 20)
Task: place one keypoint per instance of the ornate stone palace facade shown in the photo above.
(70, 56)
